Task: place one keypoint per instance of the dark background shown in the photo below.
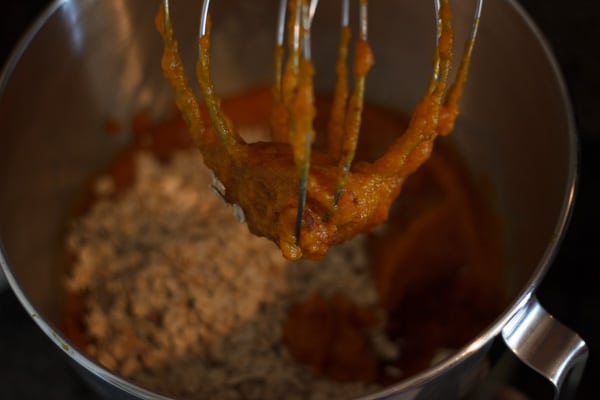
(31, 367)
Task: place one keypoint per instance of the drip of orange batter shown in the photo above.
(342, 200)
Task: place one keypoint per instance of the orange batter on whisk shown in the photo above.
(305, 200)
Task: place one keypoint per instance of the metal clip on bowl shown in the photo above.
(547, 346)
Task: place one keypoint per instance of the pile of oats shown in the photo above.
(183, 300)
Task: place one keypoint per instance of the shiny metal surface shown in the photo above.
(88, 60)
(547, 346)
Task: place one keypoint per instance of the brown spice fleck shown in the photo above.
(112, 126)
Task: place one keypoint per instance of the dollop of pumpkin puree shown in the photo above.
(328, 334)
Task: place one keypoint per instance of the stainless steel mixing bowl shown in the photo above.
(87, 60)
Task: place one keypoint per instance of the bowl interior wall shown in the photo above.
(95, 60)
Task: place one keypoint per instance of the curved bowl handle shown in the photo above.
(547, 346)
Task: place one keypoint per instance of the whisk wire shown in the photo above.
(294, 93)
(204, 18)
(354, 107)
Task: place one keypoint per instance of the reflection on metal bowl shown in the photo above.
(100, 59)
